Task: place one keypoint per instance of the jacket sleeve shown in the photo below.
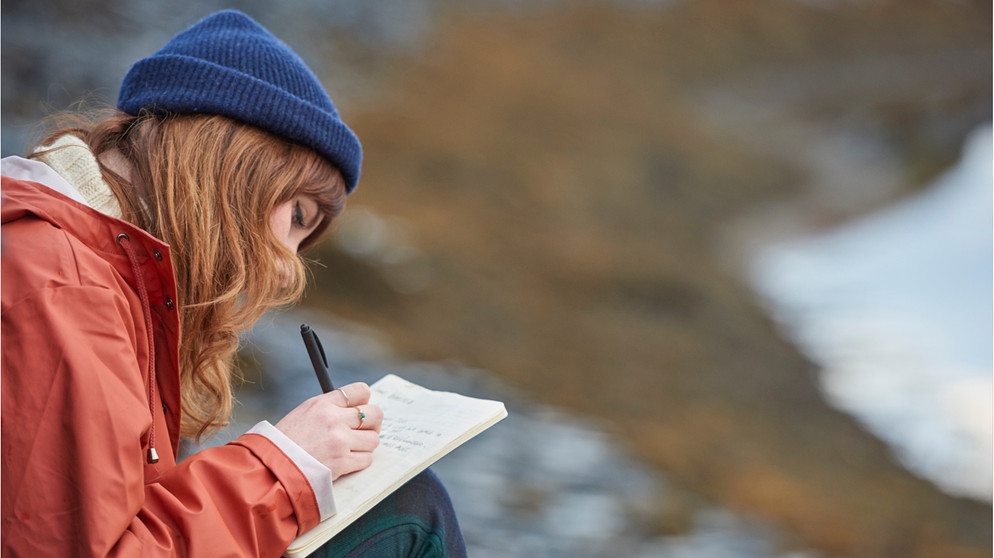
(227, 500)
(75, 415)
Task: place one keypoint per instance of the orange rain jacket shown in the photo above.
(81, 405)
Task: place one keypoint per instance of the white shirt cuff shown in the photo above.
(317, 474)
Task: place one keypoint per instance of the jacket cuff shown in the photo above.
(318, 476)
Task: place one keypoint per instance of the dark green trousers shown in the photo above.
(415, 521)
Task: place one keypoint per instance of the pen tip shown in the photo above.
(304, 327)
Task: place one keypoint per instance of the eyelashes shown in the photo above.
(298, 216)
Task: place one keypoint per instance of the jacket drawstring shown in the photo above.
(125, 241)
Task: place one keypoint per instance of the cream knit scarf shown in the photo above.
(72, 159)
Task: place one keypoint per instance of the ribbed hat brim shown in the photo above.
(201, 87)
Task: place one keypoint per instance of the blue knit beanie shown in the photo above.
(230, 65)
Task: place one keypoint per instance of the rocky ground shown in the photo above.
(542, 482)
(557, 189)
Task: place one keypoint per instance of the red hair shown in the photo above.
(207, 185)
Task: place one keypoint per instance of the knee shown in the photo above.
(425, 492)
(416, 520)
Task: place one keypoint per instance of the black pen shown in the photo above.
(318, 359)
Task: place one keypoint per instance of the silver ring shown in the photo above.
(346, 396)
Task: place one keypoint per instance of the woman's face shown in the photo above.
(295, 220)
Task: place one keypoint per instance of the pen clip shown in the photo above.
(324, 358)
(309, 335)
(319, 360)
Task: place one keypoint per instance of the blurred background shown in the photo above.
(727, 262)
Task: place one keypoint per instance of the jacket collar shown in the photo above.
(51, 197)
(34, 171)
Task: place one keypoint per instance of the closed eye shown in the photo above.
(298, 216)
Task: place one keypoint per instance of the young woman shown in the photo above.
(135, 249)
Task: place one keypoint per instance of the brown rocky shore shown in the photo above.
(556, 187)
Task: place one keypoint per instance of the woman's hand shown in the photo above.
(329, 428)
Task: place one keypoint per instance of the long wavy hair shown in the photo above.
(207, 185)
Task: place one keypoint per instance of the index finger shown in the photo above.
(351, 395)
